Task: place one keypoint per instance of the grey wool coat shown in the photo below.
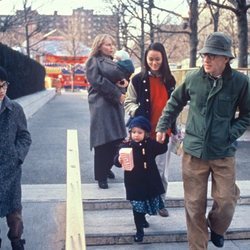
(15, 141)
(106, 112)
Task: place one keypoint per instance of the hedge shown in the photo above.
(26, 76)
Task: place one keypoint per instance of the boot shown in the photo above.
(18, 244)
(139, 219)
(0, 242)
(139, 234)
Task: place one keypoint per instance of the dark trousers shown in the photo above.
(15, 224)
(104, 159)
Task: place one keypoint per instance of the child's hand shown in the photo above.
(120, 159)
(123, 160)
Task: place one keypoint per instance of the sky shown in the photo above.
(64, 7)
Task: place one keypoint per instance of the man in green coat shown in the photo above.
(215, 93)
(15, 141)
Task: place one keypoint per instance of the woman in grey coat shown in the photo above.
(107, 125)
(14, 145)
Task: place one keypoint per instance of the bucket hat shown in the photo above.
(218, 43)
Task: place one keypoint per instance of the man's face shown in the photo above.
(3, 89)
(214, 64)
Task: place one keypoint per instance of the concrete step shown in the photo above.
(116, 226)
(114, 197)
(108, 217)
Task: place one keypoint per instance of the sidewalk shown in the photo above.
(44, 178)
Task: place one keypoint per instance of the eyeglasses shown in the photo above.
(4, 85)
(209, 56)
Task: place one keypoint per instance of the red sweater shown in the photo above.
(158, 99)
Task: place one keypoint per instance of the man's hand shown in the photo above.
(160, 137)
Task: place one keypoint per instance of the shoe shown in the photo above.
(145, 224)
(103, 184)
(138, 237)
(163, 212)
(111, 175)
(18, 245)
(218, 240)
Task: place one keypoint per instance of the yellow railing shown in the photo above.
(75, 234)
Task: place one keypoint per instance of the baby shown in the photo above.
(121, 57)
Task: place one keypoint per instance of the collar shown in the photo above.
(154, 74)
(226, 74)
(6, 103)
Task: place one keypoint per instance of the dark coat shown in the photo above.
(143, 183)
(106, 112)
(14, 145)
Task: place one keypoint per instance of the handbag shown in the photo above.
(177, 141)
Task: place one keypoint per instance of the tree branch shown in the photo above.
(222, 6)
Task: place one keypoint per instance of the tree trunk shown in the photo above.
(151, 4)
(27, 40)
(142, 45)
(193, 19)
(216, 19)
(243, 39)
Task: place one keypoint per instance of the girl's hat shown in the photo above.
(140, 122)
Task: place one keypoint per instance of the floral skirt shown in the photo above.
(150, 206)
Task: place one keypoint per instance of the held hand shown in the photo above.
(123, 83)
(160, 137)
(122, 98)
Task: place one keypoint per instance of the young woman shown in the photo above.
(143, 183)
(147, 95)
(105, 97)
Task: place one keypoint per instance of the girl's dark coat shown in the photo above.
(143, 183)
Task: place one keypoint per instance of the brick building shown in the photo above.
(84, 22)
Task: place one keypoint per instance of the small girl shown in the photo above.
(143, 183)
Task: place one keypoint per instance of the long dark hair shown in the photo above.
(165, 72)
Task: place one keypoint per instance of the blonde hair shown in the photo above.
(98, 41)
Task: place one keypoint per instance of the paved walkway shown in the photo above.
(44, 175)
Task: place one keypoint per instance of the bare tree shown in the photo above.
(73, 36)
(215, 13)
(25, 25)
(190, 27)
(239, 8)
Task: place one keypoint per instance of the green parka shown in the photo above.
(212, 125)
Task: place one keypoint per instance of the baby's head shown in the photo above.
(121, 55)
(139, 128)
